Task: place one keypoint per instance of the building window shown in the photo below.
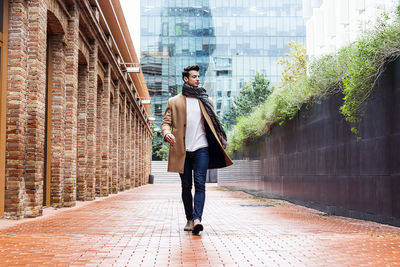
(172, 90)
(241, 83)
(223, 72)
(219, 93)
(228, 93)
(158, 109)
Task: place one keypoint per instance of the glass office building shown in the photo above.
(229, 40)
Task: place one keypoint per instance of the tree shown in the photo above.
(294, 64)
(251, 95)
(160, 149)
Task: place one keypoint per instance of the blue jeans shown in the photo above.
(196, 161)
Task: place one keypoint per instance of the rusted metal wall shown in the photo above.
(316, 161)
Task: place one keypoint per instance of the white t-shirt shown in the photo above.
(195, 132)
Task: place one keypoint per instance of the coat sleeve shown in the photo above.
(167, 121)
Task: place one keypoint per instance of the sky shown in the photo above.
(131, 9)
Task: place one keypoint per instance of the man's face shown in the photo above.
(194, 78)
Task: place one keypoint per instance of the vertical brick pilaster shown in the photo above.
(128, 148)
(137, 154)
(146, 151)
(83, 86)
(149, 157)
(149, 147)
(16, 105)
(143, 157)
(71, 114)
(132, 148)
(36, 107)
(115, 143)
(148, 160)
(99, 133)
(105, 138)
(122, 145)
(141, 153)
(57, 111)
(148, 163)
(91, 122)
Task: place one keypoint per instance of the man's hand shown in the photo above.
(170, 138)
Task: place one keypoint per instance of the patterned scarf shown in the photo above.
(201, 94)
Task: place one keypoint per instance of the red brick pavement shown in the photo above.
(144, 227)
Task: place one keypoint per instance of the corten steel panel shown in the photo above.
(395, 199)
(315, 160)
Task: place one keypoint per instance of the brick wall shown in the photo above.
(90, 132)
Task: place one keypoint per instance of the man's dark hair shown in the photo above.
(185, 72)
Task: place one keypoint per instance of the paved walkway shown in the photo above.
(143, 227)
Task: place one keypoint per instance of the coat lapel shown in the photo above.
(184, 108)
(208, 120)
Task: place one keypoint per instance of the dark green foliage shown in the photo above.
(366, 61)
(160, 149)
(353, 70)
(251, 96)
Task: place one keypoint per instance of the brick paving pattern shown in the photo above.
(144, 227)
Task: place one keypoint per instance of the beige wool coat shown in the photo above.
(174, 122)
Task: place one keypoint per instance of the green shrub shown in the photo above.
(366, 61)
(353, 70)
(252, 95)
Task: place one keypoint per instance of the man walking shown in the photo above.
(197, 143)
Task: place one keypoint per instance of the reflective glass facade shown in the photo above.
(230, 40)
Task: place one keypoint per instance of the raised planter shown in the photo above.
(316, 161)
